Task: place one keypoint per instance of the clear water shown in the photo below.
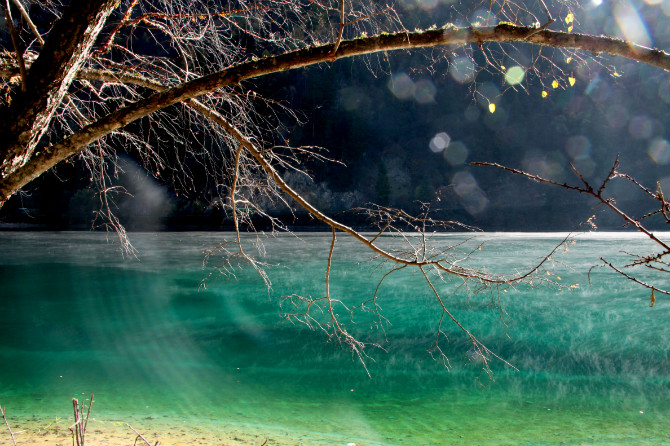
(77, 318)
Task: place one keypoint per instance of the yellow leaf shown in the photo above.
(502, 67)
(492, 107)
(572, 81)
(544, 94)
(559, 277)
(569, 18)
(570, 28)
(616, 74)
(568, 60)
(554, 83)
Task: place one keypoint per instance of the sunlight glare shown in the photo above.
(631, 25)
(665, 6)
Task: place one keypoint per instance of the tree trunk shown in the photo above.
(65, 51)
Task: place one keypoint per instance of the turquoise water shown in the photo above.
(76, 317)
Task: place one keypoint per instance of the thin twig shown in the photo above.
(140, 436)
(7, 423)
(629, 277)
(77, 422)
(17, 47)
(26, 17)
(88, 414)
(612, 174)
(587, 189)
(341, 31)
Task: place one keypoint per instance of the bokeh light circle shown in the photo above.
(515, 75)
(659, 151)
(439, 142)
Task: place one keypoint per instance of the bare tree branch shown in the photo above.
(634, 279)
(17, 177)
(17, 45)
(30, 23)
(653, 261)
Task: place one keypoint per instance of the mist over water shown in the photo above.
(144, 336)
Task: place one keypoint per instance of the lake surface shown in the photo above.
(153, 343)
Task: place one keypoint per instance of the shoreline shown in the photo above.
(168, 430)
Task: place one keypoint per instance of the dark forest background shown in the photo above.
(406, 131)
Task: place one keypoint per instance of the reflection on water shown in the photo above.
(149, 341)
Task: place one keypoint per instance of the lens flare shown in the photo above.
(631, 25)
(578, 147)
(424, 91)
(471, 196)
(641, 127)
(401, 86)
(456, 153)
(471, 113)
(439, 142)
(659, 151)
(487, 94)
(462, 69)
(515, 75)
(427, 4)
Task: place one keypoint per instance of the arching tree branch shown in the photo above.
(50, 156)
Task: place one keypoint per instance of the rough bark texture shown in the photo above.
(77, 142)
(67, 47)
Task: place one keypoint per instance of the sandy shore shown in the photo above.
(169, 431)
